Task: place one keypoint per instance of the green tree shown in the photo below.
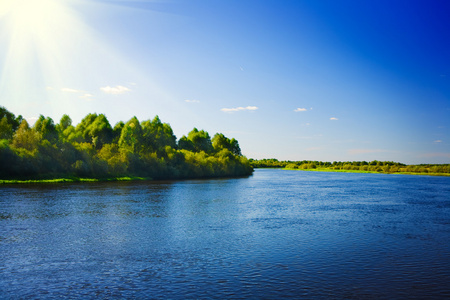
(95, 129)
(117, 131)
(84, 124)
(6, 129)
(10, 118)
(65, 129)
(131, 136)
(25, 137)
(46, 129)
(219, 142)
(200, 140)
(185, 144)
(9, 161)
(93, 148)
(64, 123)
(114, 158)
(157, 135)
(100, 131)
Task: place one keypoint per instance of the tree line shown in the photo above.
(372, 166)
(95, 149)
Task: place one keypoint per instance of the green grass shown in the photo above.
(373, 172)
(332, 170)
(72, 179)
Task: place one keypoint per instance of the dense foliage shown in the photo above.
(94, 148)
(372, 166)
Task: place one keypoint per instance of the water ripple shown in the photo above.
(277, 234)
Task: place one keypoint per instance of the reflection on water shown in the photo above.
(276, 234)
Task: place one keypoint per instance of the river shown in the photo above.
(276, 234)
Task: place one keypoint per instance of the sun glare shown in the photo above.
(37, 38)
(31, 17)
(49, 47)
(32, 27)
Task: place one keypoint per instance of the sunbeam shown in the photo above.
(42, 39)
(50, 48)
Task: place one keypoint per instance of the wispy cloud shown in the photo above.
(334, 119)
(115, 90)
(313, 148)
(300, 109)
(87, 96)
(83, 94)
(228, 110)
(192, 101)
(69, 90)
(365, 151)
(438, 141)
(438, 154)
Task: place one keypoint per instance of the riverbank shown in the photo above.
(383, 167)
(71, 179)
(107, 179)
(362, 171)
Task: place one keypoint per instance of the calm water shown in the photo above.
(277, 234)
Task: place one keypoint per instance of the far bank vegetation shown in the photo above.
(355, 166)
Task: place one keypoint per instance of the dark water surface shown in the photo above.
(277, 234)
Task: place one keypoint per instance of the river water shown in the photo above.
(276, 234)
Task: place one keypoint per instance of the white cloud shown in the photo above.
(87, 96)
(239, 109)
(115, 90)
(83, 94)
(438, 141)
(192, 101)
(68, 90)
(365, 151)
(334, 119)
(300, 109)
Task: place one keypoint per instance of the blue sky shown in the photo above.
(293, 80)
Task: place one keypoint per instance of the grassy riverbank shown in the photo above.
(72, 179)
(373, 172)
(383, 167)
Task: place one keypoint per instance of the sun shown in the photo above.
(33, 21)
(30, 17)
(32, 37)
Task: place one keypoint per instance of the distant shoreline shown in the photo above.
(381, 167)
(360, 171)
